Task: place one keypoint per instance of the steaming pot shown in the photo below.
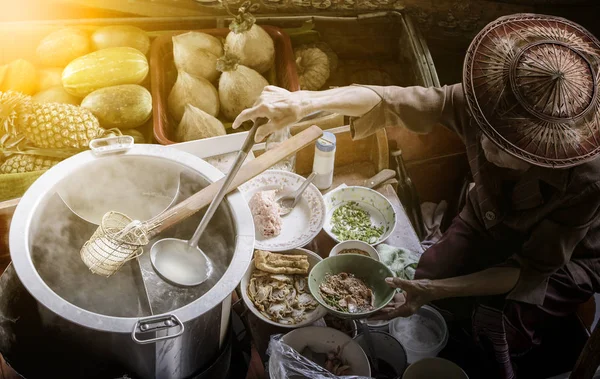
(133, 318)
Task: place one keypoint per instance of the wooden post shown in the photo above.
(589, 359)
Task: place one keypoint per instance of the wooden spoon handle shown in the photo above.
(381, 177)
(202, 198)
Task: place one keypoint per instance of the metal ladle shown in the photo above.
(182, 262)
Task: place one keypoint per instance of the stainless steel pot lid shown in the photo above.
(139, 189)
(46, 237)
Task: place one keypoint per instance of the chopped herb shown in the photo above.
(350, 222)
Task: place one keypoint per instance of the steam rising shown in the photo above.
(57, 235)
(139, 188)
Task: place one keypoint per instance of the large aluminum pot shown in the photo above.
(133, 318)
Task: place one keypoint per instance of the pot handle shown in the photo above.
(154, 324)
(111, 145)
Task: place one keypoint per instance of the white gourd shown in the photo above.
(198, 92)
(250, 43)
(196, 53)
(197, 124)
(313, 68)
(239, 86)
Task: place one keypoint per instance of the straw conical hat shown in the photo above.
(531, 83)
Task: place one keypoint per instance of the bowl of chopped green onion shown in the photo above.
(358, 214)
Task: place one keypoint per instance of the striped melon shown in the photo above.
(104, 68)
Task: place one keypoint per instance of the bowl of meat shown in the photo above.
(275, 288)
(350, 285)
(329, 348)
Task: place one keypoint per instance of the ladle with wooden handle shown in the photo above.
(182, 262)
(119, 239)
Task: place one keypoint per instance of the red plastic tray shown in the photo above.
(163, 74)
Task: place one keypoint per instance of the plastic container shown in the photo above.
(379, 325)
(434, 368)
(324, 161)
(163, 74)
(389, 353)
(423, 335)
(359, 245)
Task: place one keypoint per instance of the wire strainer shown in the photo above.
(119, 239)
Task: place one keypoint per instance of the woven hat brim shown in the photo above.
(536, 141)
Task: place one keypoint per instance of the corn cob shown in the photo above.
(18, 163)
(48, 125)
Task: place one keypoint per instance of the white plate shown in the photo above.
(311, 317)
(304, 222)
(324, 340)
(379, 208)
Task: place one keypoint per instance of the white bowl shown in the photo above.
(434, 368)
(312, 316)
(379, 208)
(324, 340)
(360, 245)
(403, 329)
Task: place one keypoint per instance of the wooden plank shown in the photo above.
(589, 359)
(373, 149)
(155, 8)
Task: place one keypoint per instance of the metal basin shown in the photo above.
(134, 318)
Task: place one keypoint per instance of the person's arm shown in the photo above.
(370, 107)
(284, 108)
(524, 277)
(416, 293)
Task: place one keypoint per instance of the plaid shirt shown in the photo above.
(549, 216)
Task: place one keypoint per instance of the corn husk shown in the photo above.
(198, 92)
(239, 86)
(197, 124)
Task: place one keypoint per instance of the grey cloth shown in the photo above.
(401, 261)
(433, 215)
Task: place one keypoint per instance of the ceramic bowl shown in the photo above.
(372, 272)
(312, 316)
(387, 349)
(379, 208)
(434, 368)
(355, 245)
(324, 340)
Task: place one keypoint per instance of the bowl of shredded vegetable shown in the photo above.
(351, 285)
(358, 214)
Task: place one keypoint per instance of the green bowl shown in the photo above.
(372, 272)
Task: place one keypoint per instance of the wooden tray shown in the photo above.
(355, 161)
(162, 79)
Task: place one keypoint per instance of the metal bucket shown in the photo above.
(133, 319)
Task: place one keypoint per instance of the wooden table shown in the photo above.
(402, 236)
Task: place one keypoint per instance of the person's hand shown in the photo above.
(280, 106)
(415, 294)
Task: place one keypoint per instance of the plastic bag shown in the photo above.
(287, 363)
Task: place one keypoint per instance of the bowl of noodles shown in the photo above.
(351, 286)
